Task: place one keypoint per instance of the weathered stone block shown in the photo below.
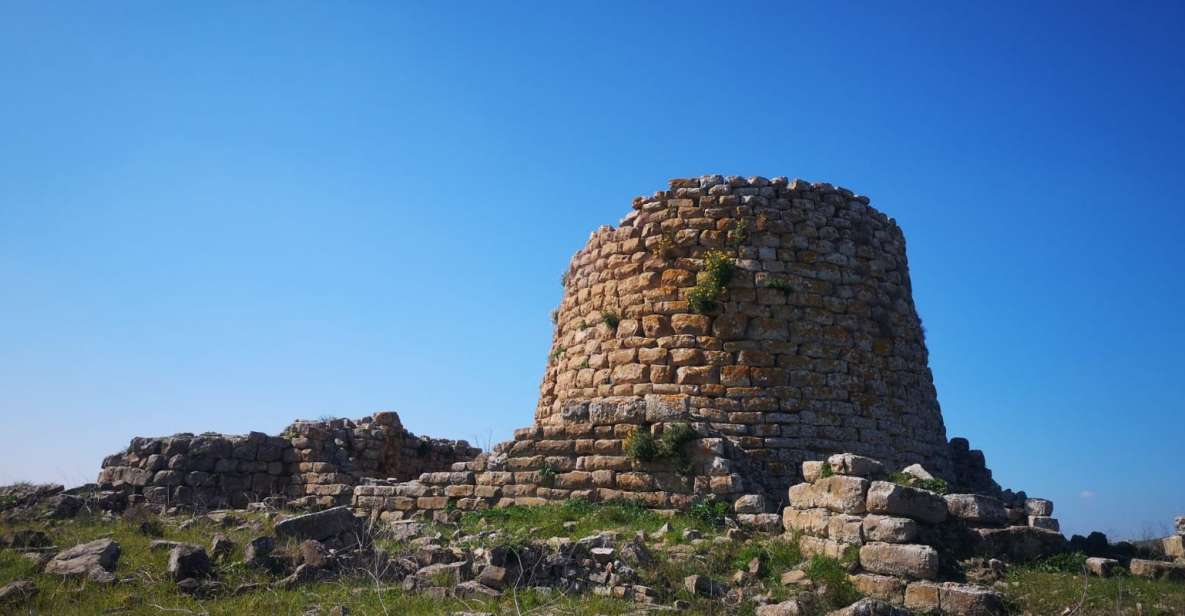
(976, 508)
(892, 499)
(889, 529)
(901, 560)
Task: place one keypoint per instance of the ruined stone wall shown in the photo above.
(311, 464)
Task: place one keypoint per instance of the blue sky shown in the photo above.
(223, 217)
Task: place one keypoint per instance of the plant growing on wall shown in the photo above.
(739, 233)
(705, 296)
(642, 446)
(610, 318)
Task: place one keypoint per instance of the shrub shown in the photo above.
(711, 281)
(548, 473)
(670, 444)
(610, 318)
(640, 445)
(710, 513)
(557, 353)
(826, 471)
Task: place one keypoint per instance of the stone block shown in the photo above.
(1174, 546)
(858, 466)
(1038, 507)
(842, 494)
(1017, 543)
(1157, 569)
(892, 499)
(1101, 567)
(883, 587)
(812, 470)
(749, 503)
(901, 560)
(1045, 523)
(976, 508)
(970, 600)
(889, 529)
(923, 597)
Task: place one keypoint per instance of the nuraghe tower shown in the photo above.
(774, 318)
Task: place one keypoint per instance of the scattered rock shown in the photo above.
(1101, 567)
(17, 591)
(1157, 569)
(315, 554)
(81, 559)
(221, 547)
(703, 586)
(258, 552)
(188, 561)
(21, 539)
(321, 525)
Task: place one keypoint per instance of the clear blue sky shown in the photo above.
(223, 216)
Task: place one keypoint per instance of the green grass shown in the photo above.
(711, 282)
(1035, 591)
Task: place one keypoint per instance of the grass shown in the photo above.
(1035, 590)
(642, 446)
(610, 318)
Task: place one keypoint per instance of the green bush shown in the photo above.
(705, 296)
(709, 513)
(640, 445)
(610, 318)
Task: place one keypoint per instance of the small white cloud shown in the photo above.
(1086, 494)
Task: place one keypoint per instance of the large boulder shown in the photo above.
(976, 508)
(83, 559)
(888, 498)
(901, 560)
(330, 524)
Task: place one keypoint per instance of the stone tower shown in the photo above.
(775, 315)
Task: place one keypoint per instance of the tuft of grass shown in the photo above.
(610, 318)
(643, 447)
(776, 556)
(934, 485)
(826, 470)
(833, 575)
(710, 285)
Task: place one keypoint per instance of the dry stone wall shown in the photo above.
(311, 464)
(774, 318)
(815, 346)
